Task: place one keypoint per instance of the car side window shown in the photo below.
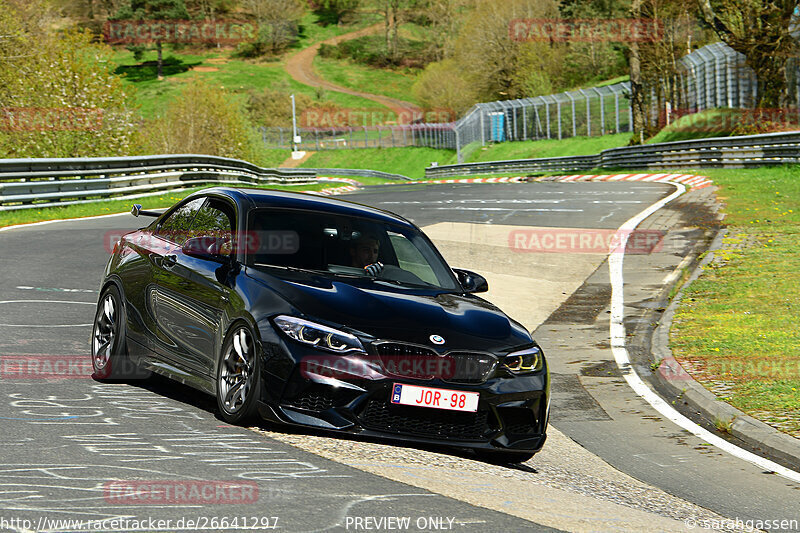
(177, 226)
(213, 219)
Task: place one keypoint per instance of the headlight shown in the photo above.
(524, 361)
(317, 335)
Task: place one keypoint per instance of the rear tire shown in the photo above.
(238, 377)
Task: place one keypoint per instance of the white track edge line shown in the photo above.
(617, 337)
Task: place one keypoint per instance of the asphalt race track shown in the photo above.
(611, 463)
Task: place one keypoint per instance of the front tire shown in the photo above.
(238, 377)
(109, 350)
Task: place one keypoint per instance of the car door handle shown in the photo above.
(169, 261)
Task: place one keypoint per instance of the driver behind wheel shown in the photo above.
(364, 254)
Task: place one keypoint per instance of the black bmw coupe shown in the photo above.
(320, 313)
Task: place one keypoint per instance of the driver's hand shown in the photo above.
(374, 269)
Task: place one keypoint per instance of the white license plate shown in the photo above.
(452, 400)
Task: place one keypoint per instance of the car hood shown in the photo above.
(388, 312)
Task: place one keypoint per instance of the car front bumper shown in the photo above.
(512, 410)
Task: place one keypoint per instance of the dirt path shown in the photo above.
(294, 163)
(300, 67)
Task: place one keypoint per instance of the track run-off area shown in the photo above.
(618, 456)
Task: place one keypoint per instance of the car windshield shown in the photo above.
(345, 246)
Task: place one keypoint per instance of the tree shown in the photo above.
(496, 65)
(442, 86)
(154, 10)
(203, 120)
(637, 91)
(58, 94)
(335, 11)
(445, 17)
(392, 15)
(277, 22)
(759, 29)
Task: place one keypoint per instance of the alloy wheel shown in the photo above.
(236, 374)
(104, 332)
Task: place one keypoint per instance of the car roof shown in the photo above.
(251, 198)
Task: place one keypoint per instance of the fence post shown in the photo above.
(483, 133)
(547, 117)
(524, 124)
(616, 110)
(459, 155)
(559, 121)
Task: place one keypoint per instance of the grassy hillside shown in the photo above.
(548, 148)
(392, 83)
(218, 68)
(409, 161)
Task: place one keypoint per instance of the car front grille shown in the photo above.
(418, 362)
(424, 422)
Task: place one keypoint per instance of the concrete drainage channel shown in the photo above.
(682, 387)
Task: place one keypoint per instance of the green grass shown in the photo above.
(410, 161)
(710, 123)
(392, 83)
(313, 31)
(548, 148)
(236, 75)
(740, 317)
(271, 158)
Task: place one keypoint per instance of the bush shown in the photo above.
(203, 120)
(442, 86)
(371, 50)
(273, 106)
(60, 98)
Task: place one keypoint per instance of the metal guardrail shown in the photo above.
(718, 152)
(36, 183)
(361, 173)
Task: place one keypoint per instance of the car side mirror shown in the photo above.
(137, 210)
(470, 281)
(210, 248)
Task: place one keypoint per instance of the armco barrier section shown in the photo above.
(719, 152)
(36, 183)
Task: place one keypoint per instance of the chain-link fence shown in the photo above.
(390, 136)
(713, 76)
(716, 76)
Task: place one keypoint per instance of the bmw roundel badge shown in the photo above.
(436, 339)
